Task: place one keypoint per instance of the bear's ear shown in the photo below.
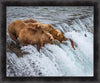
(57, 30)
(38, 26)
(50, 25)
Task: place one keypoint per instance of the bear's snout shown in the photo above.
(65, 38)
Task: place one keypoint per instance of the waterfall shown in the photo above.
(58, 59)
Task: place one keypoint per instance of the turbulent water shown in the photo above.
(59, 59)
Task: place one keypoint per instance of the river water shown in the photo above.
(75, 22)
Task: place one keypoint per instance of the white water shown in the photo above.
(58, 59)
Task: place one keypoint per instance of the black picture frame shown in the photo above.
(5, 3)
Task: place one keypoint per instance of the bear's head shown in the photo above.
(47, 37)
(58, 35)
(61, 36)
(55, 33)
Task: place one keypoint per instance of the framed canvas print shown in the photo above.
(49, 40)
(73, 56)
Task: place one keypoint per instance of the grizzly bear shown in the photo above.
(35, 36)
(55, 33)
(14, 29)
(47, 27)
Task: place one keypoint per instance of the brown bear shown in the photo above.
(35, 36)
(14, 29)
(55, 33)
(32, 22)
(47, 27)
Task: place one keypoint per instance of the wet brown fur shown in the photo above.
(14, 28)
(30, 21)
(35, 36)
(47, 27)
